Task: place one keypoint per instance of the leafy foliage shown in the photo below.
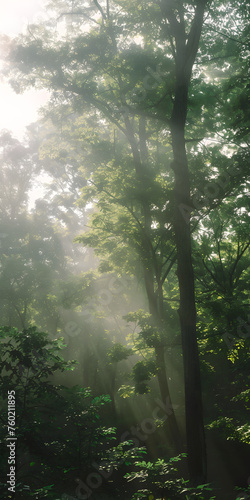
(160, 479)
(52, 422)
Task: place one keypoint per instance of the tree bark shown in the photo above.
(185, 50)
(187, 313)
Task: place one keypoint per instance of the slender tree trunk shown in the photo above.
(86, 362)
(185, 46)
(187, 311)
(172, 428)
(112, 375)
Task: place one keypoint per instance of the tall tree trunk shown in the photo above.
(187, 311)
(185, 47)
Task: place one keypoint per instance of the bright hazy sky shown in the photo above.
(18, 111)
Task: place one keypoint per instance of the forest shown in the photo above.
(124, 254)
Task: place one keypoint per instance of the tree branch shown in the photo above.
(100, 9)
(194, 36)
(77, 13)
(239, 255)
(226, 36)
